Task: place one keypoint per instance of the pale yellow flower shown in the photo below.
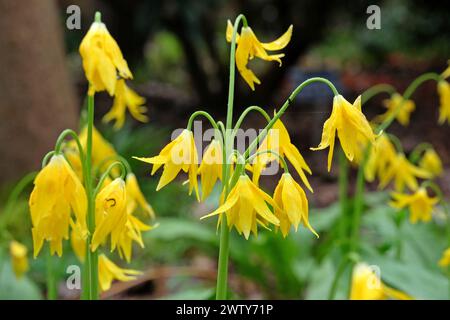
(108, 271)
(19, 258)
(102, 60)
(247, 206)
(292, 205)
(248, 47)
(57, 192)
(419, 203)
(367, 285)
(351, 126)
(392, 104)
(126, 98)
(431, 163)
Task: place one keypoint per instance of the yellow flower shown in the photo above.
(210, 169)
(446, 73)
(292, 205)
(103, 153)
(246, 207)
(110, 213)
(102, 60)
(180, 154)
(431, 163)
(392, 104)
(135, 197)
(78, 238)
(57, 191)
(248, 47)
(132, 232)
(278, 140)
(403, 172)
(444, 98)
(73, 157)
(419, 203)
(445, 260)
(381, 155)
(123, 99)
(352, 128)
(19, 258)
(108, 271)
(367, 285)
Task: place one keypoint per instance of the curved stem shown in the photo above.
(417, 151)
(246, 112)
(107, 173)
(204, 114)
(285, 106)
(396, 142)
(375, 90)
(47, 158)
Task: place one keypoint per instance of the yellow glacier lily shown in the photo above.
(210, 169)
(381, 155)
(57, 192)
(431, 163)
(102, 60)
(292, 205)
(403, 173)
(279, 141)
(419, 203)
(248, 47)
(444, 99)
(108, 271)
(351, 126)
(246, 207)
(19, 258)
(180, 154)
(123, 99)
(367, 285)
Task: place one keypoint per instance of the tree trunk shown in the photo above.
(37, 98)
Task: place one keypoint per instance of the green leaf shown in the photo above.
(12, 288)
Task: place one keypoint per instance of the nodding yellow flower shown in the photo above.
(381, 155)
(57, 191)
(110, 213)
(126, 98)
(352, 127)
(248, 47)
(367, 285)
(444, 99)
(446, 72)
(279, 141)
(132, 232)
(73, 157)
(292, 205)
(210, 169)
(180, 154)
(431, 163)
(102, 60)
(78, 238)
(445, 260)
(103, 153)
(246, 207)
(404, 173)
(108, 271)
(135, 197)
(419, 203)
(392, 104)
(19, 258)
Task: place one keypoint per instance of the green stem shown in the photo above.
(375, 90)
(247, 111)
(91, 257)
(107, 173)
(340, 270)
(51, 279)
(201, 113)
(417, 151)
(343, 193)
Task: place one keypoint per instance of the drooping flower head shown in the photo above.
(431, 163)
(367, 285)
(19, 258)
(125, 98)
(102, 59)
(247, 206)
(248, 47)
(180, 154)
(419, 203)
(403, 114)
(292, 205)
(210, 169)
(381, 155)
(444, 99)
(279, 141)
(57, 192)
(108, 271)
(403, 172)
(351, 126)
